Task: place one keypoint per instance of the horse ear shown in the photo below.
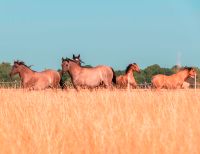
(73, 56)
(79, 56)
(16, 61)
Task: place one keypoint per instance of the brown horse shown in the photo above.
(128, 79)
(173, 81)
(35, 80)
(88, 77)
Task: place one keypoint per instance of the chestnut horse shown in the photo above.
(88, 77)
(35, 80)
(128, 79)
(173, 81)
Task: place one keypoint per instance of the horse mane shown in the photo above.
(68, 59)
(22, 63)
(129, 66)
(186, 68)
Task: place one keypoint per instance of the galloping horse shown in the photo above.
(128, 79)
(173, 81)
(88, 77)
(35, 80)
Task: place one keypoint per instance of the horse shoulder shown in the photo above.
(122, 79)
(119, 78)
(132, 80)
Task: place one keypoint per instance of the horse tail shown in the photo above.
(114, 77)
(62, 83)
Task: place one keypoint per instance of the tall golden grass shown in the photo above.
(102, 121)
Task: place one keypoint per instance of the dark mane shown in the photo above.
(79, 61)
(68, 59)
(21, 63)
(186, 68)
(128, 67)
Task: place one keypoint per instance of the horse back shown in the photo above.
(103, 69)
(94, 76)
(158, 80)
(52, 76)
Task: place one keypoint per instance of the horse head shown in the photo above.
(191, 72)
(77, 59)
(16, 68)
(65, 64)
(136, 67)
(133, 67)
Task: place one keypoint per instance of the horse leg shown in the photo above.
(77, 88)
(133, 86)
(108, 85)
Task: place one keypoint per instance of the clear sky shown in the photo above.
(110, 32)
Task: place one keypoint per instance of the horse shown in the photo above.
(128, 79)
(88, 77)
(173, 81)
(35, 80)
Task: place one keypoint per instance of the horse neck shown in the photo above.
(74, 69)
(25, 72)
(129, 73)
(183, 74)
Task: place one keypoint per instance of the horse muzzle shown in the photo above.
(193, 76)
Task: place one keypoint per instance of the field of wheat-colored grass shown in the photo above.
(103, 121)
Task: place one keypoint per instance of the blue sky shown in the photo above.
(113, 33)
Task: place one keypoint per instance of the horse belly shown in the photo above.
(43, 83)
(93, 81)
(171, 83)
(159, 81)
(87, 81)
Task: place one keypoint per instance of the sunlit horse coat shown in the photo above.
(173, 81)
(88, 77)
(128, 80)
(35, 80)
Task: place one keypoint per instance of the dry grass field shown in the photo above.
(102, 122)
